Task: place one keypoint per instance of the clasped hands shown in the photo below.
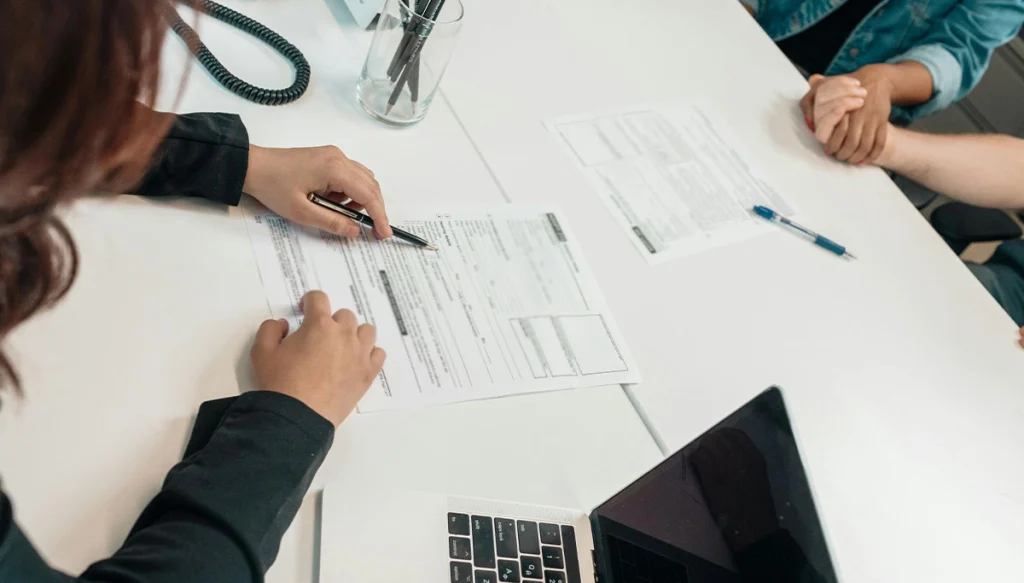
(849, 114)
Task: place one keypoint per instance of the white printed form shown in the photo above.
(671, 177)
(505, 306)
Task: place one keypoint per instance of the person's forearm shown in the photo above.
(983, 170)
(908, 83)
(222, 511)
(911, 81)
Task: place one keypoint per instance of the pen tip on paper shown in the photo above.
(850, 255)
(430, 248)
(387, 110)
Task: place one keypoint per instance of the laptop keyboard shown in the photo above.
(485, 549)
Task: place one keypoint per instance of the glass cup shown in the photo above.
(407, 58)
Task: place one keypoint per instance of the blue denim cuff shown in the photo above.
(947, 77)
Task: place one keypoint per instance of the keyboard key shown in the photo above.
(458, 524)
(531, 567)
(572, 560)
(549, 534)
(485, 577)
(554, 577)
(529, 543)
(552, 558)
(505, 537)
(461, 572)
(483, 541)
(458, 548)
(508, 571)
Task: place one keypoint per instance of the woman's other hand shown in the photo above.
(328, 363)
(282, 178)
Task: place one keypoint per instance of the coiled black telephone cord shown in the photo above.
(225, 77)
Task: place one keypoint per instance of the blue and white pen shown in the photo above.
(823, 242)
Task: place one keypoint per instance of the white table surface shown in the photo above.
(903, 377)
(168, 298)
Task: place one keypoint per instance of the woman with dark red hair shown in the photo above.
(75, 79)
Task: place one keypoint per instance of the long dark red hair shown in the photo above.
(75, 79)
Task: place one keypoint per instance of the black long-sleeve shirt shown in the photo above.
(222, 510)
(204, 155)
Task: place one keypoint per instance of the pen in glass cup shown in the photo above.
(366, 221)
(823, 242)
(410, 59)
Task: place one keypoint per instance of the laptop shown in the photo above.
(734, 505)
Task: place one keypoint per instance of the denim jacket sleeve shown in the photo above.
(957, 49)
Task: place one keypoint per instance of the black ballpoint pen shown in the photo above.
(368, 222)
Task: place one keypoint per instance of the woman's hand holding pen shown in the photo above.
(282, 178)
(328, 363)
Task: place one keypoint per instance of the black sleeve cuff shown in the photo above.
(211, 413)
(203, 155)
(298, 413)
(207, 421)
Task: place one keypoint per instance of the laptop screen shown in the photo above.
(732, 506)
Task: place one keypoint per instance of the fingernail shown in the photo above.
(809, 122)
(858, 163)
